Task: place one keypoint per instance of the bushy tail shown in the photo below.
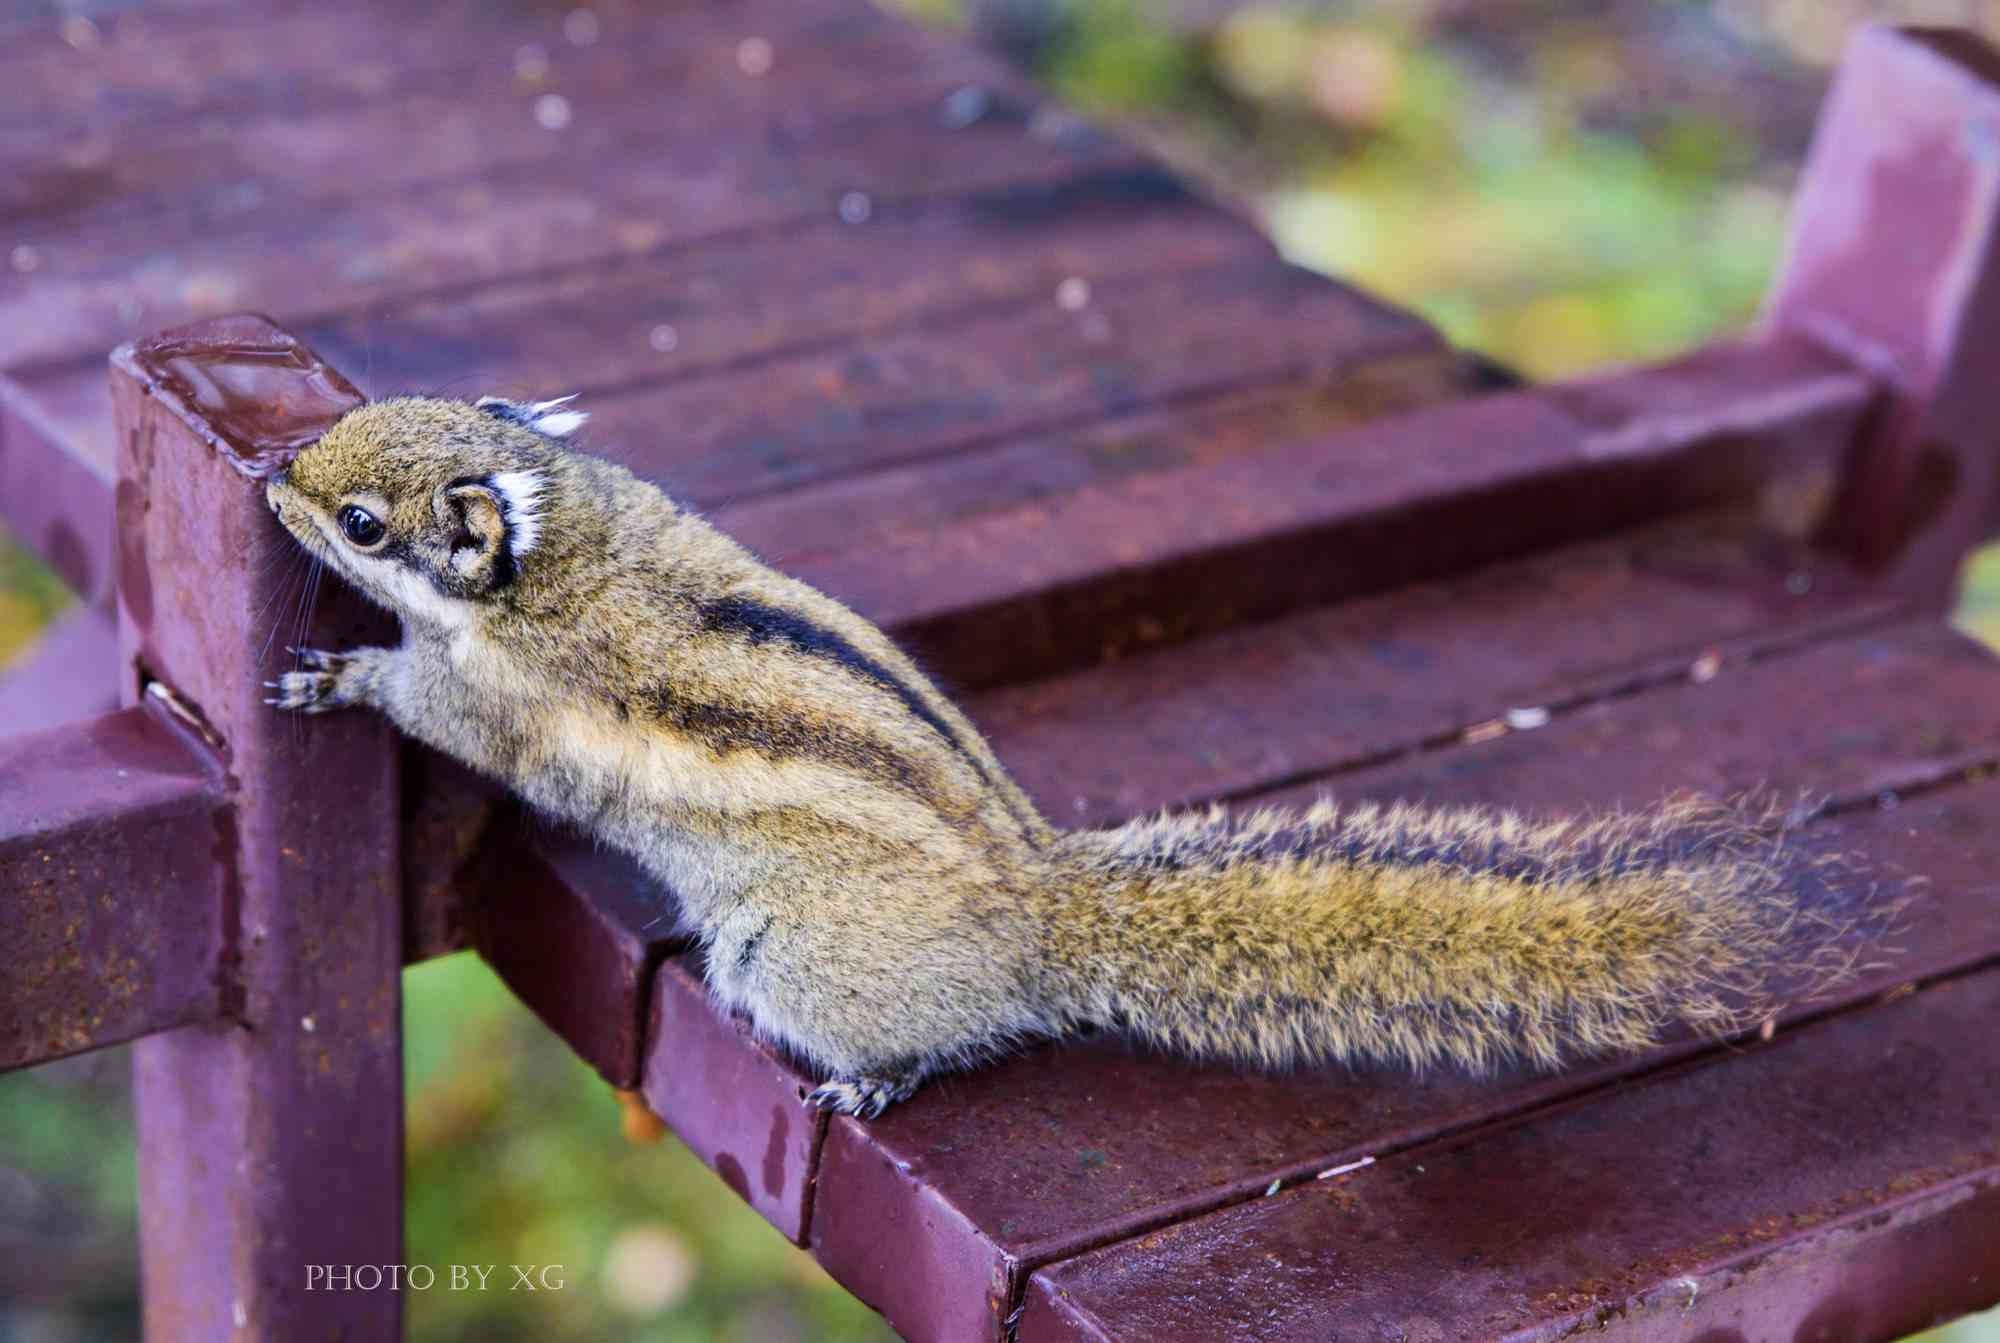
(1427, 936)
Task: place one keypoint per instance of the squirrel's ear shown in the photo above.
(481, 560)
(547, 418)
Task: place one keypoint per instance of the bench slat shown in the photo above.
(109, 890)
(1856, 721)
(1164, 555)
(733, 299)
(910, 395)
(151, 70)
(312, 259)
(459, 145)
(1839, 1182)
(1334, 688)
(901, 507)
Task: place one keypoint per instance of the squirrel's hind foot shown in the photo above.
(863, 1097)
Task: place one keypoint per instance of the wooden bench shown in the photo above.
(1183, 522)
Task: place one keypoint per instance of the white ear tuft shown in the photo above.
(561, 424)
(522, 493)
(549, 417)
(544, 417)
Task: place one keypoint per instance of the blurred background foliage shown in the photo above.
(1561, 184)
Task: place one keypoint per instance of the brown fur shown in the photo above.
(877, 893)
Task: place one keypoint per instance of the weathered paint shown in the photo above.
(110, 885)
(733, 1099)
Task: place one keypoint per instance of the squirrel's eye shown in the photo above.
(361, 526)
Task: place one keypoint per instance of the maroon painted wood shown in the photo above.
(1869, 717)
(903, 506)
(614, 326)
(576, 931)
(272, 1141)
(1300, 699)
(651, 189)
(109, 889)
(1025, 368)
(165, 66)
(1838, 1183)
(1893, 262)
(738, 1103)
(476, 116)
(1160, 556)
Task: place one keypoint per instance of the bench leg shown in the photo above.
(270, 1144)
(1894, 263)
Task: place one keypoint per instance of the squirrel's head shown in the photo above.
(424, 503)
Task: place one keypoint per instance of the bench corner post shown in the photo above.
(270, 1143)
(1893, 262)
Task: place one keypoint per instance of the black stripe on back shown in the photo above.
(763, 624)
(726, 728)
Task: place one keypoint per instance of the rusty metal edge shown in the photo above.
(536, 866)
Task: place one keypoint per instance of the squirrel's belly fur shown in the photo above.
(875, 891)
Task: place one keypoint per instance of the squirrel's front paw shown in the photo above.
(325, 681)
(863, 1097)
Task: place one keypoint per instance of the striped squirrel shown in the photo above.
(877, 894)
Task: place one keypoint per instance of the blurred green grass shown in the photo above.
(30, 597)
(515, 1156)
(1558, 185)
